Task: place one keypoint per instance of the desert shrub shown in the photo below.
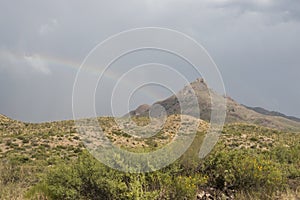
(243, 170)
(185, 187)
(15, 178)
(10, 173)
(76, 138)
(84, 179)
(286, 154)
(190, 159)
(8, 142)
(289, 157)
(138, 187)
(25, 140)
(19, 159)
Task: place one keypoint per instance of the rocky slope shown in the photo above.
(235, 112)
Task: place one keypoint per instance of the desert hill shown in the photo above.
(34, 154)
(272, 113)
(235, 112)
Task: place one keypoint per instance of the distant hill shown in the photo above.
(272, 113)
(235, 112)
(9, 125)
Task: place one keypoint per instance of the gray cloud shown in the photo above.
(255, 44)
(22, 64)
(286, 9)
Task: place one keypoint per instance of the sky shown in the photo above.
(254, 43)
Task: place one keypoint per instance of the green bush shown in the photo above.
(185, 187)
(243, 170)
(84, 179)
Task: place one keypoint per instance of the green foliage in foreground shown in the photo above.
(241, 170)
(86, 178)
(255, 162)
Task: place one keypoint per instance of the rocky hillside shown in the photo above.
(235, 112)
(9, 126)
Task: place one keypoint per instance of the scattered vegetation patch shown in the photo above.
(48, 161)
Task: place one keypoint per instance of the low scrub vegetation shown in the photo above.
(48, 161)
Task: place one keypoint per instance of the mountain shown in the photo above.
(272, 113)
(235, 112)
(34, 156)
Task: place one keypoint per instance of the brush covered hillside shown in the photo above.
(49, 161)
(235, 112)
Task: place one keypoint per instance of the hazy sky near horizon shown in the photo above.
(255, 44)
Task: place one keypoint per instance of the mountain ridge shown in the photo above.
(235, 112)
(272, 113)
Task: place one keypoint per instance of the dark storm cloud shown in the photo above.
(255, 44)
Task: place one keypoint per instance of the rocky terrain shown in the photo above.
(235, 112)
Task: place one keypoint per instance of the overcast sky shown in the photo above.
(255, 44)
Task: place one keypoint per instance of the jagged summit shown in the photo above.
(198, 85)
